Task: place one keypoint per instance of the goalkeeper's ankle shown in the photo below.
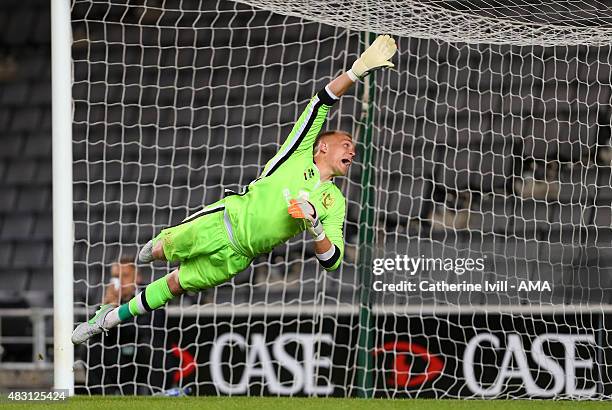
(112, 318)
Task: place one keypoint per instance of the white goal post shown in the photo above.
(63, 236)
(478, 257)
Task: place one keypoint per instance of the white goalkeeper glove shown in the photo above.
(302, 209)
(376, 56)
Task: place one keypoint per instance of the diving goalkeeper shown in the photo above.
(294, 193)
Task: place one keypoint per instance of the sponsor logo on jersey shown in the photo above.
(327, 200)
(309, 173)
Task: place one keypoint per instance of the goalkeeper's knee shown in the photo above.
(173, 283)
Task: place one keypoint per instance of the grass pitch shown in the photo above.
(272, 403)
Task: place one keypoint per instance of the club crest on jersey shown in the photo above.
(327, 200)
(309, 173)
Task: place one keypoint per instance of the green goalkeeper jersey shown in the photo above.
(258, 218)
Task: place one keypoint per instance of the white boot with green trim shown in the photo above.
(93, 326)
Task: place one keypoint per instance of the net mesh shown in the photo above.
(563, 22)
(490, 142)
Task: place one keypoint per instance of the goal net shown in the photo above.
(478, 232)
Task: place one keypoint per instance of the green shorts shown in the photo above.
(202, 246)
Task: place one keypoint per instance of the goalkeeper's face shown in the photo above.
(338, 153)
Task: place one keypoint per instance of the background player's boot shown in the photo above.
(146, 253)
(93, 326)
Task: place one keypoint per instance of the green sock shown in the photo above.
(124, 312)
(155, 295)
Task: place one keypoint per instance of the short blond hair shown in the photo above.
(315, 148)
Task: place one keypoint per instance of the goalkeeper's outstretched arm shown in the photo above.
(375, 57)
(334, 152)
(308, 126)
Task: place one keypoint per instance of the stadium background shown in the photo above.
(125, 191)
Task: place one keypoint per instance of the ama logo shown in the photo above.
(413, 365)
